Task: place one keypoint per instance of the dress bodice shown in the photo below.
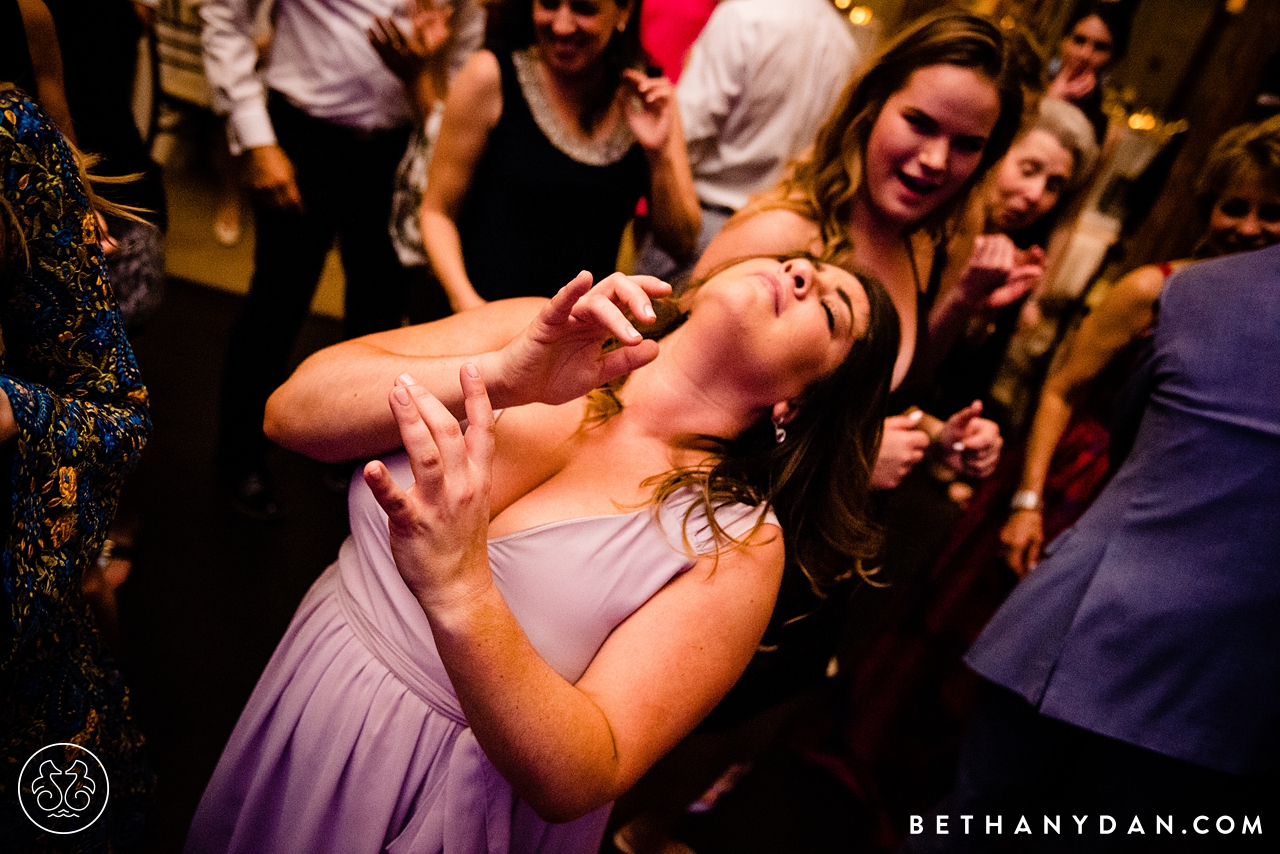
(568, 583)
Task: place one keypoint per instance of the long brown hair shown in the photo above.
(822, 186)
(817, 481)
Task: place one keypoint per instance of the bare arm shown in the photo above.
(46, 62)
(471, 111)
(775, 231)
(1120, 318)
(533, 350)
(674, 211)
(565, 748)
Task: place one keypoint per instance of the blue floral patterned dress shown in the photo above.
(81, 415)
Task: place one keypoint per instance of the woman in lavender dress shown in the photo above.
(565, 590)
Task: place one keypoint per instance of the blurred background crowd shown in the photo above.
(278, 176)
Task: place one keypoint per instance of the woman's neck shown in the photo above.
(869, 225)
(675, 398)
(570, 93)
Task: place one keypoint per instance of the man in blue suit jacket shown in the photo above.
(1136, 672)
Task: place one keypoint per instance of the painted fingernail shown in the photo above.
(916, 416)
(405, 379)
(958, 446)
(401, 395)
(472, 370)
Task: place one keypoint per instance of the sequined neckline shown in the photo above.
(602, 152)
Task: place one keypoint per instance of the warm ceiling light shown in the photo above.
(1142, 121)
(860, 16)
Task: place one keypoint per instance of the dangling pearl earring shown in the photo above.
(779, 432)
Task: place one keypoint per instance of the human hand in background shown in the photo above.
(422, 48)
(559, 357)
(269, 173)
(1023, 536)
(651, 114)
(1074, 83)
(902, 445)
(998, 273)
(970, 444)
(439, 525)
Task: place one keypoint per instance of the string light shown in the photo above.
(859, 16)
(843, 4)
(1142, 121)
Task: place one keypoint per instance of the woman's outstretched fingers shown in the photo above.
(480, 420)
(390, 497)
(446, 433)
(561, 305)
(424, 456)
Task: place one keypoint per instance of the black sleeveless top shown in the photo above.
(534, 216)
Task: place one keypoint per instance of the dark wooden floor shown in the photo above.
(210, 592)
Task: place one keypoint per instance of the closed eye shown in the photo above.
(831, 318)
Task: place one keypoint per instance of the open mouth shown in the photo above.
(919, 186)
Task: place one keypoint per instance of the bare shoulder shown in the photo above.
(1129, 304)
(1142, 284)
(758, 557)
(751, 233)
(478, 87)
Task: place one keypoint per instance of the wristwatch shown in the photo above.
(1026, 499)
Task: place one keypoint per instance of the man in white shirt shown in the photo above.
(758, 83)
(322, 127)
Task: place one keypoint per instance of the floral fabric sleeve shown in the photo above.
(68, 370)
(82, 418)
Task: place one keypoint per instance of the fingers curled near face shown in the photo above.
(636, 293)
(559, 309)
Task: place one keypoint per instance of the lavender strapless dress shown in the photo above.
(353, 739)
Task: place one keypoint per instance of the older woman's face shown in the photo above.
(1029, 181)
(1246, 216)
(1087, 46)
(572, 34)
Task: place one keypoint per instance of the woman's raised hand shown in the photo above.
(560, 357)
(998, 273)
(650, 113)
(439, 525)
(410, 54)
